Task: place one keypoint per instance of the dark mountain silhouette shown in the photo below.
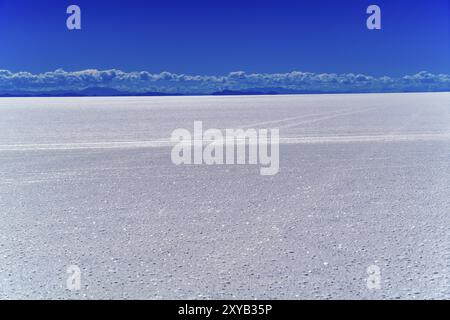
(88, 92)
(240, 93)
(271, 91)
(111, 92)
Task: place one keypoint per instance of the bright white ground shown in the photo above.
(364, 180)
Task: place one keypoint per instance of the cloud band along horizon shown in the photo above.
(166, 82)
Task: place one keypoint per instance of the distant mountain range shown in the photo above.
(88, 92)
(270, 91)
(111, 92)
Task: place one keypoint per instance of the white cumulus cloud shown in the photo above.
(143, 81)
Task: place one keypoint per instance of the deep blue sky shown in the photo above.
(215, 37)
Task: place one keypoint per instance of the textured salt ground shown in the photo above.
(140, 227)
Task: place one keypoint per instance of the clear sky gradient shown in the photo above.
(215, 37)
